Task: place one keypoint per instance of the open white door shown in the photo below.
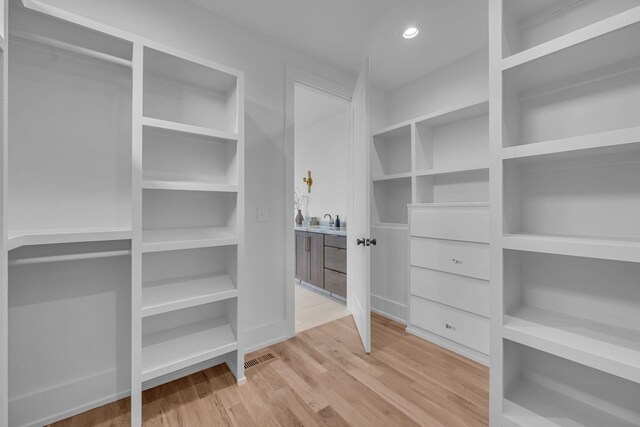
(358, 253)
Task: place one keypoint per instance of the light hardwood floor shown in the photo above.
(315, 309)
(323, 378)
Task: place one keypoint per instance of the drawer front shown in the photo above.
(463, 258)
(335, 259)
(335, 282)
(461, 292)
(466, 224)
(464, 328)
(339, 242)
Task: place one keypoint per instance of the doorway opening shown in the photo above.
(322, 132)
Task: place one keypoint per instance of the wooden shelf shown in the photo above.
(450, 205)
(390, 225)
(403, 128)
(573, 39)
(178, 348)
(186, 238)
(589, 247)
(177, 294)
(19, 238)
(534, 405)
(454, 170)
(593, 53)
(157, 184)
(607, 348)
(392, 177)
(454, 114)
(188, 129)
(79, 50)
(613, 140)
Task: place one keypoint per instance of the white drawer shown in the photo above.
(462, 292)
(464, 258)
(469, 224)
(456, 325)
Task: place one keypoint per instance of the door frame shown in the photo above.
(295, 75)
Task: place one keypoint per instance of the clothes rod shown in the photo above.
(69, 257)
(71, 48)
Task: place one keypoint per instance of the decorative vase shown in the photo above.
(299, 217)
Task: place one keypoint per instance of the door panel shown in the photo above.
(302, 256)
(316, 259)
(358, 256)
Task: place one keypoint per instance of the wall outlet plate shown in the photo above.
(261, 215)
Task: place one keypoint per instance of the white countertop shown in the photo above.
(323, 230)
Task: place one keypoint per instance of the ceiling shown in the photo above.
(342, 32)
(313, 106)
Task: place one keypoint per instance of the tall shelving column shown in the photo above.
(188, 235)
(136, 235)
(4, 279)
(565, 168)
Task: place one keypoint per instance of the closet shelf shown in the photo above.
(186, 238)
(454, 114)
(178, 348)
(533, 405)
(19, 238)
(390, 225)
(449, 171)
(594, 55)
(157, 184)
(573, 39)
(177, 294)
(188, 129)
(448, 115)
(392, 177)
(47, 41)
(450, 205)
(588, 247)
(608, 348)
(398, 128)
(611, 141)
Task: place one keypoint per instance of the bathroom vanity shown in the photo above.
(321, 258)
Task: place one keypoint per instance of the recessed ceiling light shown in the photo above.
(411, 32)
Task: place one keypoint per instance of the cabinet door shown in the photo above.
(316, 263)
(302, 256)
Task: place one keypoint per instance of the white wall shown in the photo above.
(322, 149)
(195, 30)
(462, 81)
(455, 84)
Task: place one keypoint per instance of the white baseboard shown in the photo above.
(155, 382)
(274, 332)
(82, 394)
(26, 405)
(462, 350)
(388, 308)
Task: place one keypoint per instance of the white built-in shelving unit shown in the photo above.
(437, 160)
(122, 207)
(190, 206)
(565, 168)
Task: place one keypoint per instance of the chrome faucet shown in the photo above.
(331, 223)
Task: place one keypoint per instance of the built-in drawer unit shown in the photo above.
(469, 225)
(463, 258)
(462, 292)
(335, 264)
(449, 272)
(335, 282)
(335, 259)
(459, 326)
(339, 242)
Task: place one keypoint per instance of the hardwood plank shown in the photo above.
(322, 377)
